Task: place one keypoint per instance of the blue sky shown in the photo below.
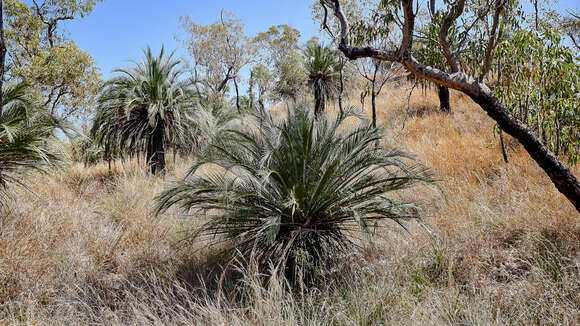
(117, 30)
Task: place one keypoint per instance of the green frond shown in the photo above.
(300, 185)
(139, 98)
(25, 136)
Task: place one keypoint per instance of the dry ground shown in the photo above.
(500, 245)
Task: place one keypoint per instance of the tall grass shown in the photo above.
(503, 247)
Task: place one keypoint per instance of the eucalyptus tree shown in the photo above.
(261, 81)
(276, 43)
(147, 105)
(297, 192)
(293, 76)
(219, 50)
(571, 26)
(539, 83)
(404, 13)
(278, 49)
(377, 73)
(323, 67)
(26, 134)
(62, 77)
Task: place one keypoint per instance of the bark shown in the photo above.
(341, 90)
(237, 95)
(224, 82)
(493, 40)
(373, 103)
(503, 149)
(156, 148)
(562, 178)
(444, 104)
(2, 55)
(319, 102)
(455, 11)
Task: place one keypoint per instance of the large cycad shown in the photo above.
(298, 189)
(26, 133)
(145, 108)
(323, 66)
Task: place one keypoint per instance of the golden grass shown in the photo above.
(502, 246)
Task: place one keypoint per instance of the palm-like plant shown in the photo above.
(323, 66)
(297, 188)
(25, 132)
(145, 108)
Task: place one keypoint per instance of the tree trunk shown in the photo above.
(318, 101)
(156, 148)
(561, 176)
(2, 55)
(503, 149)
(107, 154)
(444, 104)
(374, 108)
(237, 96)
(341, 90)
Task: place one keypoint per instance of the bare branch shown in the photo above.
(408, 29)
(344, 45)
(493, 38)
(455, 11)
(562, 178)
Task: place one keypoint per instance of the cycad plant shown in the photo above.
(26, 133)
(297, 190)
(323, 66)
(148, 106)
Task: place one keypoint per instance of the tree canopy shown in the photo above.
(63, 77)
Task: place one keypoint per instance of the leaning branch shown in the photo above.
(562, 178)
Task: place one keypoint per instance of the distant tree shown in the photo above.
(571, 26)
(404, 15)
(292, 76)
(377, 73)
(540, 83)
(323, 66)
(219, 50)
(280, 51)
(63, 78)
(276, 43)
(146, 105)
(261, 81)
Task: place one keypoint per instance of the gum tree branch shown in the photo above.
(562, 178)
(454, 13)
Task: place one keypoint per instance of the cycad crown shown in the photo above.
(297, 187)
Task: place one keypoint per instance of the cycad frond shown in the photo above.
(146, 106)
(296, 186)
(25, 134)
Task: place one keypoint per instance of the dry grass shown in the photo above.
(503, 246)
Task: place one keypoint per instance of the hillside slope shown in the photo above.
(500, 246)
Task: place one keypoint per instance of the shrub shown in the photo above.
(295, 193)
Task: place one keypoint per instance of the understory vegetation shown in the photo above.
(172, 194)
(81, 247)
